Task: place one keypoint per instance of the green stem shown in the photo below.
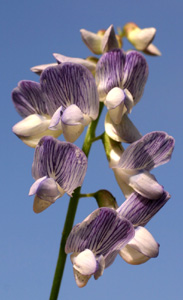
(90, 135)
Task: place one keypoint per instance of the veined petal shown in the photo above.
(135, 74)
(152, 150)
(146, 185)
(29, 99)
(139, 210)
(102, 232)
(109, 41)
(63, 161)
(92, 40)
(125, 131)
(40, 68)
(68, 84)
(46, 189)
(31, 125)
(84, 62)
(109, 72)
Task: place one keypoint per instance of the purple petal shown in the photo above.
(63, 161)
(109, 41)
(109, 72)
(68, 84)
(139, 210)
(102, 232)
(46, 189)
(29, 99)
(152, 150)
(135, 74)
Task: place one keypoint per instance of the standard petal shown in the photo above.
(135, 74)
(109, 72)
(92, 40)
(125, 131)
(109, 41)
(29, 99)
(84, 62)
(152, 150)
(102, 232)
(63, 161)
(68, 84)
(139, 210)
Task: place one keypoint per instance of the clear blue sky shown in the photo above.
(30, 32)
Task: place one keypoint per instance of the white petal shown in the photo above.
(152, 50)
(85, 262)
(141, 38)
(31, 125)
(39, 69)
(141, 248)
(92, 40)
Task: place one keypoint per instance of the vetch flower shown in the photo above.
(65, 100)
(131, 167)
(139, 211)
(127, 71)
(102, 41)
(58, 168)
(141, 39)
(96, 242)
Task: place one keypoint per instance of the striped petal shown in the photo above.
(102, 232)
(109, 41)
(68, 84)
(141, 248)
(125, 131)
(84, 62)
(29, 99)
(63, 161)
(152, 150)
(109, 72)
(139, 210)
(135, 74)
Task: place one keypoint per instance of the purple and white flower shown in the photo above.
(96, 242)
(131, 167)
(139, 211)
(58, 168)
(65, 101)
(120, 79)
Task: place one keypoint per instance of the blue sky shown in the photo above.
(30, 32)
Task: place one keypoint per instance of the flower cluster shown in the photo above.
(68, 97)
